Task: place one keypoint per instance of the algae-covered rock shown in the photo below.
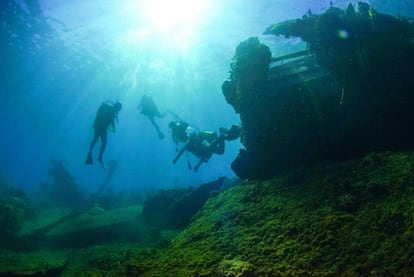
(296, 225)
(154, 210)
(354, 218)
(340, 99)
(11, 218)
(235, 268)
(14, 210)
(63, 191)
(249, 68)
(63, 228)
(173, 209)
(41, 263)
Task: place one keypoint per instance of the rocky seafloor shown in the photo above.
(354, 218)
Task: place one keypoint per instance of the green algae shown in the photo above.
(41, 263)
(354, 218)
(300, 224)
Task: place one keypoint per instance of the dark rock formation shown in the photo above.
(12, 214)
(63, 191)
(353, 218)
(154, 207)
(181, 212)
(173, 209)
(349, 94)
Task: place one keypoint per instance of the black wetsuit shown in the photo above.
(105, 117)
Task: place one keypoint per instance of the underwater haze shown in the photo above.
(61, 59)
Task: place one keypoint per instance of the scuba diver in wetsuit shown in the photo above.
(148, 108)
(201, 144)
(105, 118)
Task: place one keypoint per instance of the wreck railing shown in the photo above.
(295, 68)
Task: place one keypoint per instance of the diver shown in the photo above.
(105, 118)
(148, 108)
(180, 131)
(205, 143)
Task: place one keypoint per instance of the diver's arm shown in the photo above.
(217, 146)
(113, 125)
(180, 153)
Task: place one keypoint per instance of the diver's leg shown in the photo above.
(89, 159)
(160, 134)
(94, 140)
(104, 140)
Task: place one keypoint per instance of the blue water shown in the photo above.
(61, 59)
